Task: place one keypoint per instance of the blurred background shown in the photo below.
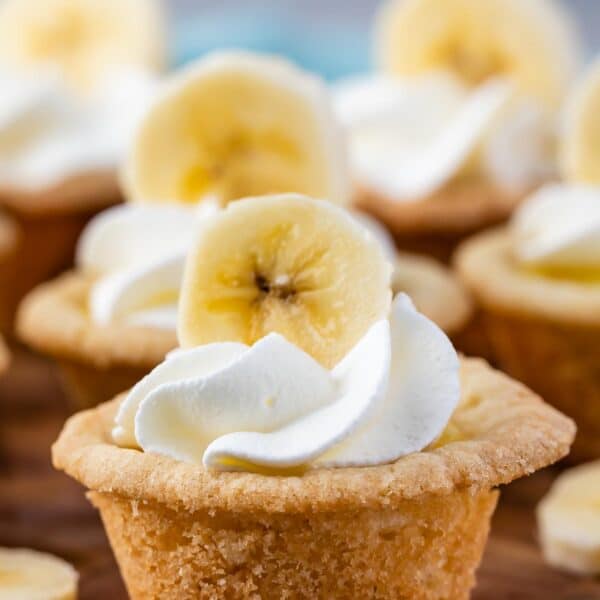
(330, 37)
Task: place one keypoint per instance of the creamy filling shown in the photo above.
(136, 253)
(409, 138)
(270, 407)
(556, 233)
(48, 135)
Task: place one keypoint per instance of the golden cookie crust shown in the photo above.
(422, 549)
(4, 356)
(9, 236)
(434, 289)
(485, 263)
(501, 431)
(461, 207)
(53, 319)
(82, 193)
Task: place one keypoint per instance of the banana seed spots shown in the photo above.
(280, 287)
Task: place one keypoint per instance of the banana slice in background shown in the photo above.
(289, 264)
(30, 575)
(236, 124)
(569, 520)
(531, 42)
(580, 153)
(82, 38)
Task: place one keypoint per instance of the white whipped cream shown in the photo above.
(409, 137)
(137, 251)
(559, 226)
(47, 134)
(270, 405)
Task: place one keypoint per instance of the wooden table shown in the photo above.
(43, 509)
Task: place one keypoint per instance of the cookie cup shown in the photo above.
(435, 290)
(48, 223)
(4, 357)
(543, 331)
(437, 224)
(412, 529)
(96, 362)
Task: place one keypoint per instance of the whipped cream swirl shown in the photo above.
(137, 253)
(271, 406)
(559, 228)
(410, 137)
(48, 134)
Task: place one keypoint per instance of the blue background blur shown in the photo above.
(331, 37)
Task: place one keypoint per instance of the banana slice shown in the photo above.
(30, 575)
(235, 125)
(82, 38)
(580, 153)
(529, 41)
(569, 520)
(289, 264)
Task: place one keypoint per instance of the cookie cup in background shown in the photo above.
(542, 330)
(47, 224)
(436, 292)
(415, 528)
(4, 357)
(437, 224)
(96, 361)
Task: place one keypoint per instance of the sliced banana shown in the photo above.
(82, 38)
(580, 152)
(30, 575)
(531, 42)
(569, 520)
(289, 264)
(235, 125)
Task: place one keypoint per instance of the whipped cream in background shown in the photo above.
(48, 134)
(270, 405)
(137, 253)
(410, 137)
(558, 227)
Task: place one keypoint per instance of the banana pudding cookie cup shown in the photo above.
(457, 125)
(538, 281)
(538, 286)
(113, 319)
(4, 356)
(74, 74)
(310, 438)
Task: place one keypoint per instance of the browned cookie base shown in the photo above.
(543, 331)
(4, 356)
(44, 247)
(411, 529)
(426, 549)
(48, 223)
(559, 362)
(97, 362)
(436, 225)
(87, 385)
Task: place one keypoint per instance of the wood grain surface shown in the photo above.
(43, 509)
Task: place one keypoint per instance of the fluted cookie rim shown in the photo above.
(486, 266)
(507, 432)
(52, 320)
